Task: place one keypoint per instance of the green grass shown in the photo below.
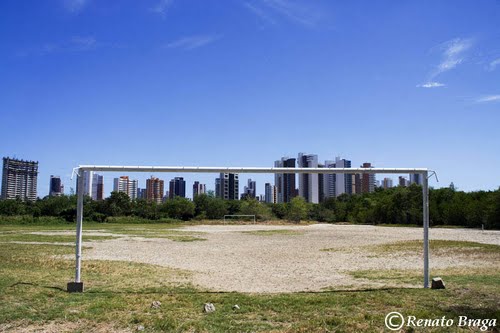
(438, 246)
(119, 295)
(48, 238)
(273, 232)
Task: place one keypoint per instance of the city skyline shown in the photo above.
(398, 84)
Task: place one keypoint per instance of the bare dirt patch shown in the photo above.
(239, 258)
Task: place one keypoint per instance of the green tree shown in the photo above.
(297, 209)
(179, 208)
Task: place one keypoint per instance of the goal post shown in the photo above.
(231, 218)
(77, 285)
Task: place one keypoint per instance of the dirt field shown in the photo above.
(254, 258)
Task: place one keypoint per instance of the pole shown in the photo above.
(425, 195)
(77, 286)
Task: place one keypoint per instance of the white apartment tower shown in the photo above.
(308, 183)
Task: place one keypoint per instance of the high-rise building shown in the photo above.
(367, 180)
(199, 189)
(19, 179)
(126, 185)
(308, 182)
(154, 189)
(227, 186)
(285, 182)
(270, 193)
(97, 187)
(177, 188)
(141, 193)
(343, 181)
(387, 183)
(329, 181)
(87, 183)
(56, 187)
(415, 178)
(403, 181)
(249, 191)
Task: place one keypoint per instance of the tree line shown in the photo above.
(399, 205)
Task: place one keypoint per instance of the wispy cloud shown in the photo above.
(75, 6)
(431, 85)
(299, 12)
(193, 42)
(83, 43)
(75, 44)
(452, 54)
(490, 98)
(493, 65)
(161, 7)
(260, 13)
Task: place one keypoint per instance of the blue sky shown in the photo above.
(242, 83)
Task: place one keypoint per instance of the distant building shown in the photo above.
(199, 189)
(343, 181)
(403, 181)
(177, 188)
(285, 182)
(387, 183)
(270, 195)
(56, 187)
(227, 186)
(19, 179)
(97, 187)
(368, 180)
(250, 190)
(87, 183)
(141, 193)
(329, 181)
(154, 189)
(416, 178)
(126, 185)
(308, 182)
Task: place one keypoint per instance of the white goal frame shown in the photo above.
(180, 169)
(254, 220)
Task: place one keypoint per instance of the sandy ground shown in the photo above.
(231, 259)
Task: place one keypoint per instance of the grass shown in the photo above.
(118, 296)
(273, 232)
(438, 247)
(48, 238)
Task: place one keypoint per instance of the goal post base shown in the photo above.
(75, 287)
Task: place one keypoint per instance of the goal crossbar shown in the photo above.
(78, 285)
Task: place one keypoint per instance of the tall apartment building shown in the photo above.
(285, 182)
(343, 181)
(308, 182)
(387, 183)
(126, 185)
(250, 190)
(19, 179)
(368, 179)
(177, 188)
(56, 187)
(270, 195)
(154, 189)
(199, 189)
(416, 178)
(97, 187)
(329, 181)
(403, 181)
(227, 186)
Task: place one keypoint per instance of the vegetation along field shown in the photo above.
(283, 277)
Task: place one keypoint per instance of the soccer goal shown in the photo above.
(239, 218)
(77, 285)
